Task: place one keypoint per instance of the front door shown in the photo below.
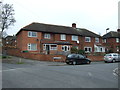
(48, 49)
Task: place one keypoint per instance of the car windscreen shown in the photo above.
(72, 56)
(108, 55)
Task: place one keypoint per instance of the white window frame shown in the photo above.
(117, 40)
(104, 40)
(53, 48)
(87, 39)
(88, 49)
(44, 46)
(47, 36)
(74, 38)
(30, 34)
(97, 40)
(63, 37)
(63, 48)
(29, 47)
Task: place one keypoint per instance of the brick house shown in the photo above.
(111, 41)
(9, 42)
(55, 39)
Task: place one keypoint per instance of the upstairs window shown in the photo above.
(74, 38)
(87, 39)
(47, 36)
(104, 40)
(97, 40)
(117, 40)
(32, 34)
(63, 37)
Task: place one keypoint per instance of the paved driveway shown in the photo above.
(40, 74)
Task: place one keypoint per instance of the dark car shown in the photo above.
(74, 59)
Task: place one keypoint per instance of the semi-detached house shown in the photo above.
(111, 41)
(56, 39)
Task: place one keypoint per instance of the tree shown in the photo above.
(7, 16)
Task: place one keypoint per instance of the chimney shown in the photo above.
(74, 25)
(118, 30)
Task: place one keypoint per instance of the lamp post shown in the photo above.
(107, 29)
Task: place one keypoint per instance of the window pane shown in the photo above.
(32, 47)
(74, 38)
(96, 39)
(87, 39)
(53, 47)
(63, 37)
(32, 34)
(47, 36)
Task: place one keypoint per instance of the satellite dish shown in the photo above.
(78, 41)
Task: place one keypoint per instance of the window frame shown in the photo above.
(47, 36)
(117, 40)
(63, 48)
(89, 39)
(74, 38)
(29, 47)
(97, 40)
(44, 46)
(30, 34)
(63, 37)
(88, 49)
(105, 40)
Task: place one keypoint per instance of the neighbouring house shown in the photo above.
(111, 41)
(54, 39)
(9, 42)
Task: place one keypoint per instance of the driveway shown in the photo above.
(41, 74)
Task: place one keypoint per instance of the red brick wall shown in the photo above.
(43, 57)
(36, 56)
(96, 58)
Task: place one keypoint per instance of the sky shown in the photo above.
(94, 15)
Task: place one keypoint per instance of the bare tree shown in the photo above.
(7, 16)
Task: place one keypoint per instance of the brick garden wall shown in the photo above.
(35, 56)
(43, 57)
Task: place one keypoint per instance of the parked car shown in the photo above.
(112, 57)
(77, 59)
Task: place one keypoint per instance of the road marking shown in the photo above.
(90, 74)
(115, 72)
(10, 69)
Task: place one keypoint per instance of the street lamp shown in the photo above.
(107, 29)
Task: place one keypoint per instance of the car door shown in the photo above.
(81, 59)
(115, 56)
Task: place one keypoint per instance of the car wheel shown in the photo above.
(105, 61)
(88, 62)
(70, 63)
(113, 60)
(74, 63)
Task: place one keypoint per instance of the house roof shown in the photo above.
(10, 37)
(112, 34)
(40, 27)
(85, 32)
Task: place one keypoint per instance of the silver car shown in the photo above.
(112, 57)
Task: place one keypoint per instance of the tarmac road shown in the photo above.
(40, 74)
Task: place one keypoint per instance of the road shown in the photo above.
(59, 75)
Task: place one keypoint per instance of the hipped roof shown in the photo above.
(48, 28)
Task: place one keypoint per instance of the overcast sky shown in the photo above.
(94, 15)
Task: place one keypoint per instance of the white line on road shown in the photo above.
(90, 74)
(10, 69)
(115, 72)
